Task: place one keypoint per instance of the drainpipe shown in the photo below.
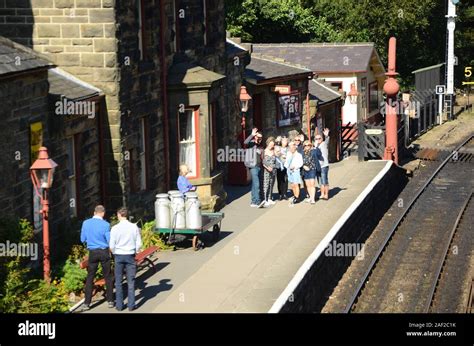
(308, 112)
(164, 91)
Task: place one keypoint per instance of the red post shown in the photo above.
(243, 130)
(46, 259)
(391, 89)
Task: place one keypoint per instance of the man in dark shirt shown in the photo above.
(95, 233)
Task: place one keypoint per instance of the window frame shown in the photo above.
(370, 110)
(195, 121)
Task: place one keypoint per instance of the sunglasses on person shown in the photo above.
(318, 138)
(297, 140)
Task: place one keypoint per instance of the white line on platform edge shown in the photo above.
(293, 284)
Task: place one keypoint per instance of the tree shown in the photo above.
(276, 21)
(419, 26)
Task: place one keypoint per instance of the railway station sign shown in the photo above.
(373, 131)
(440, 89)
(282, 89)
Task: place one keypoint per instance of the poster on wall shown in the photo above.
(36, 141)
(289, 109)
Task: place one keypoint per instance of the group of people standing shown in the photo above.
(296, 162)
(123, 241)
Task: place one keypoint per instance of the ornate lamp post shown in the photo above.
(244, 106)
(353, 93)
(391, 89)
(42, 172)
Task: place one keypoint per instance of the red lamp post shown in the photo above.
(42, 172)
(244, 106)
(391, 89)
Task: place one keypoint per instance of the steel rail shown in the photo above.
(377, 256)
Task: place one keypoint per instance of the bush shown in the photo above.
(73, 277)
(20, 295)
(151, 238)
(46, 298)
(19, 291)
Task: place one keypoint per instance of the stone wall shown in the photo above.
(61, 129)
(319, 282)
(79, 36)
(140, 96)
(24, 100)
(98, 42)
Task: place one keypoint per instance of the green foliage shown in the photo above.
(151, 238)
(78, 252)
(23, 295)
(15, 231)
(74, 277)
(464, 40)
(419, 26)
(259, 20)
(113, 220)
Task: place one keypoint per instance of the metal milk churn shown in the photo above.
(162, 211)
(177, 212)
(193, 211)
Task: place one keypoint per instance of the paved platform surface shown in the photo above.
(259, 252)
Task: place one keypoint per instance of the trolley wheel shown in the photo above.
(216, 230)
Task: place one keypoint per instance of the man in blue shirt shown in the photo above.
(95, 233)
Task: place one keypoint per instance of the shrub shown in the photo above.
(151, 238)
(73, 277)
(20, 295)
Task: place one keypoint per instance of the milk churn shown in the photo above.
(162, 211)
(193, 211)
(177, 212)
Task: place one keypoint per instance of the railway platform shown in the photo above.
(266, 258)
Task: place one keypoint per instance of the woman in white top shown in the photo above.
(294, 161)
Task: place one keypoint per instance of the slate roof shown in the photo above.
(232, 48)
(64, 84)
(10, 52)
(428, 68)
(322, 91)
(321, 57)
(261, 69)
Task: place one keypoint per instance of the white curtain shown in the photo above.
(187, 150)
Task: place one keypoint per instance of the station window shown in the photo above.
(188, 134)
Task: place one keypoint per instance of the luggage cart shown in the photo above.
(209, 220)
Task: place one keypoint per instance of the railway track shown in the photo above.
(408, 271)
